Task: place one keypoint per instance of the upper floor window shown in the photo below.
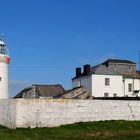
(0, 78)
(107, 82)
(129, 87)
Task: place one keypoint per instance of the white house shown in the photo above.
(112, 78)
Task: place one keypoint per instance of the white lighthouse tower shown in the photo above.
(4, 61)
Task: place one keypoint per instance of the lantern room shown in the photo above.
(3, 49)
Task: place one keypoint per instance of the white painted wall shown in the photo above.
(95, 84)
(84, 81)
(8, 112)
(135, 85)
(15, 113)
(99, 87)
(4, 80)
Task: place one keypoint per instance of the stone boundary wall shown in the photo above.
(24, 113)
(8, 113)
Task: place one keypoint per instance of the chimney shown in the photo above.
(78, 72)
(86, 69)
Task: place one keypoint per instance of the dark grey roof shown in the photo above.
(104, 68)
(93, 69)
(134, 74)
(19, 95)
(44, 90)
(118, 61)
(49, 90)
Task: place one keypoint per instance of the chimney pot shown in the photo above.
(78, 72)
(86, 69)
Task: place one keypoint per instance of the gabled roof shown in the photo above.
(49, 90)
(131, 75)
(44, 90)
(19, 95)
(118, 61)
(105, 69)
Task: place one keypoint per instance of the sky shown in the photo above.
(48, 39)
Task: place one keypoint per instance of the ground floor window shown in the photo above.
(115, 95)
(106, 94)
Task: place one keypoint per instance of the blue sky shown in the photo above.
(47, 39)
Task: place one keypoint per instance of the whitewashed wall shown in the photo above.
(8, 112)
(99, 87)
(95, 84)
(135, 85)
(49, 112)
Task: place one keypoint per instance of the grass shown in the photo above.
(104, 130)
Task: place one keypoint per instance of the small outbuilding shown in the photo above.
(52, 91)
(41, 91)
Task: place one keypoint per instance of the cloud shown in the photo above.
(16, 86)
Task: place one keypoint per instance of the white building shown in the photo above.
(4, 61)
(112, 78)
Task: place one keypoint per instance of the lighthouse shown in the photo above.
(4, 61)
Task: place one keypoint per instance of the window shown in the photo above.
(106, 94)
(106, 81)
(0, 78)
(3, 49)
(129, 87)
(115, 95)
(129, 67)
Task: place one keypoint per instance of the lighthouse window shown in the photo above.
(0, 78)
(3, 50)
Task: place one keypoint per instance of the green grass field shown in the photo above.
(107, 130)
